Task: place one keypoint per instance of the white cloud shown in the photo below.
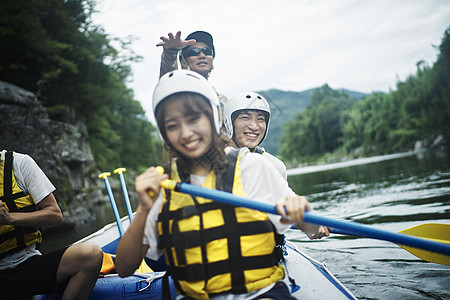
(362, 45)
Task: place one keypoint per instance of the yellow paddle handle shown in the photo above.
(119, 170)
(166, 183)
(104, 175)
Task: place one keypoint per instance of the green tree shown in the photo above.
(52, 49)
(418, 109)
(316, 130)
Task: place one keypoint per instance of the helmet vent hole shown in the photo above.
(259, 97)
(248, 96)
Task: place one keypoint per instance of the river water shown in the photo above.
(389, 192)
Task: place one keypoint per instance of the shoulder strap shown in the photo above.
(8, 197)
(7, 178)
(166, 167)
(228, 176)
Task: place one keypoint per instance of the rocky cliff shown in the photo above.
(60, 149)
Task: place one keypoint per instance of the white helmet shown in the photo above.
(186, 81)
(244, 101)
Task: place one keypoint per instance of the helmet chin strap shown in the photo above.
(235, 141)
(239, 146)
(185, 62)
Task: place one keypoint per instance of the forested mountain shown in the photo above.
(418, 110)
(285, 105)
(53, 49)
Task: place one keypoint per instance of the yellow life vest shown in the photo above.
(15, 238)
(213, 248)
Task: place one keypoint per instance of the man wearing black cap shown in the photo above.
(197, 53)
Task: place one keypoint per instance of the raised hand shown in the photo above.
(174, 42)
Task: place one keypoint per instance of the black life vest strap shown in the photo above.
(235, 264)
(228, 176)
(18, 232)
(197, 272)
(166, 287)
(12, 234)
(7, 182)
(165, 239)
(190, 239)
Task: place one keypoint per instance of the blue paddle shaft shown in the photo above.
(114, 206)
(125, 197)
(347, 226)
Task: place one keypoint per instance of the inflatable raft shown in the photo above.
(312, 278)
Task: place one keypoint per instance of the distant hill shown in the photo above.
(285, 105)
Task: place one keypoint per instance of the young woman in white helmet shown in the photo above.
(213, 250)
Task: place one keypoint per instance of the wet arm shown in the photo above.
(313, 231)
(130, 250)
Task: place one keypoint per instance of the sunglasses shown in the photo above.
(196, 51)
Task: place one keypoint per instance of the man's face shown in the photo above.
(201, 63)
(249, 128)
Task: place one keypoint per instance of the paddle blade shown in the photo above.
(144, 268)
(432, 231)
(107, 263)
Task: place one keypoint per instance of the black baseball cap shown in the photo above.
(201, 36)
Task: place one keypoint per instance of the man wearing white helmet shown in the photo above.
(247, 118)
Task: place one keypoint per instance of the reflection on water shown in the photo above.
(392, 195)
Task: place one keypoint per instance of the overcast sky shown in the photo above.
(292, 45)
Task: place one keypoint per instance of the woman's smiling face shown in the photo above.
(190, 133)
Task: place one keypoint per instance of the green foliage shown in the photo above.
(52, 49)
(359, 124)
(285, 105)
(417, 110)
(381, 123)
(317, 129)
